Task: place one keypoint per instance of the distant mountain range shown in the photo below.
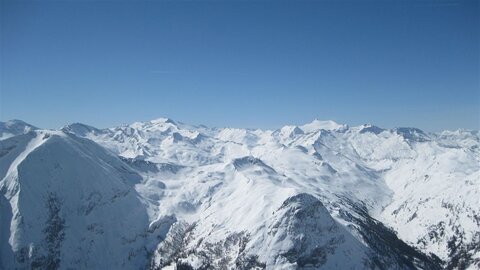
(167, 195)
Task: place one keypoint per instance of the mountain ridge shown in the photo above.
(194, 184)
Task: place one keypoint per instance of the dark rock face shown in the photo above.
(151, 167)
(388, 251)
(224, 254)
(54, 234)
(462, 254)
(371, 129)
(249, 161)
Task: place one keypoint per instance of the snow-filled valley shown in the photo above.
(163, 194)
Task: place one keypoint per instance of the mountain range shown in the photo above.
(163, 194)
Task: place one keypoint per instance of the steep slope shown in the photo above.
(66, 203)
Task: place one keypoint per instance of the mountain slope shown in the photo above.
(69, 204)
(317, 196)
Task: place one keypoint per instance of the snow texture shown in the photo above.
(163, 194)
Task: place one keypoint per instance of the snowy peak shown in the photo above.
(317, 125)
(460, 138)
(328, 245)
(412, 134)
(371, 129)
(156, 124)
(163, 121)
(48, 145)
(317, 240)
(13, 128)
(288, 132)
(63, 198)
(81, 130)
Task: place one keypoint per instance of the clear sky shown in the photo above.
(241, 63)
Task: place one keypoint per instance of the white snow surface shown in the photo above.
(172, 190)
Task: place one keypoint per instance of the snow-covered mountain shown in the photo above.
(13, 128)
(67, 203)
(160, 194)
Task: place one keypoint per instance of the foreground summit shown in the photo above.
(163, 194)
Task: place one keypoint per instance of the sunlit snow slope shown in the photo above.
(162, 193)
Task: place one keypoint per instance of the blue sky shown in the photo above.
(241, 63)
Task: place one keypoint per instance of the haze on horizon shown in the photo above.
(258, 64)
